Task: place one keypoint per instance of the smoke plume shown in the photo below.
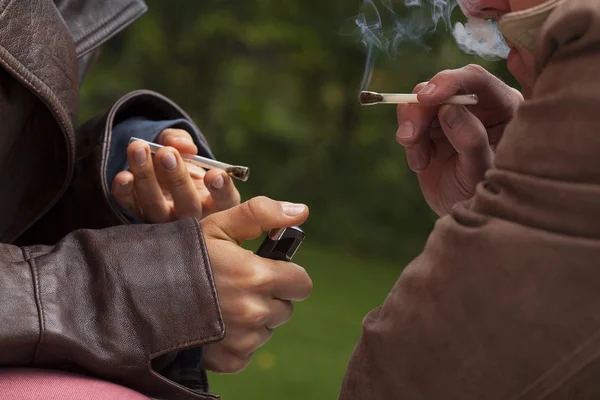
(384, 30)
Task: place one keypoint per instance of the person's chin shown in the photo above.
(517, 67)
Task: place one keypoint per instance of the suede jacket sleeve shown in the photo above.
(503, 301)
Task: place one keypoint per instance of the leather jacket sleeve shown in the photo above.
(88, 203)
(108, 302)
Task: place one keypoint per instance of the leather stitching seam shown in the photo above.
(104, 22)
(38, 301)
(201, 246)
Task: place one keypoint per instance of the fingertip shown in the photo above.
(135, 146)
(183, 145)
(123, 178)
(169, 159)
(216, 179)
(429, 95)
(138, 153)
(123, 192)
(298, 211)
(222, 189)
(178, 139)
(418, 158)
(419, 87)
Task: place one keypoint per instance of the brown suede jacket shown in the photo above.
(79, 289)
(504, 301)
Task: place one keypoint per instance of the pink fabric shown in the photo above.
(30, 384)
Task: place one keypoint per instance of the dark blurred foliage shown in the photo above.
(274, 85)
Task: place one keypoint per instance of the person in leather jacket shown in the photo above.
(85, 286)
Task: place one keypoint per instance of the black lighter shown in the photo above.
(281, 243)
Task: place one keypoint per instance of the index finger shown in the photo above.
(471, 79)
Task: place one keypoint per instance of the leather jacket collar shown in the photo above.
(42, 45)
(93, 22)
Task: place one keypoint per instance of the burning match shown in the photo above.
(235, 171)
(371, 98)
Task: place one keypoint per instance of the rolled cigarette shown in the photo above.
(371, 98)
(235, 171)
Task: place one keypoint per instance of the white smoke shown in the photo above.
(480, 37)
(384, 30)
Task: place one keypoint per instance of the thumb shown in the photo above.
(250, 219)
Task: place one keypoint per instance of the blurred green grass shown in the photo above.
(307, 357)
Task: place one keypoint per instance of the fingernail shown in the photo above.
(292, 209)
(406, 130)
(124, 185)
(416, 160)
(454, 115)
(429, 89)
(218, 182)
(139, 156)
(183, 139)
(169, 161)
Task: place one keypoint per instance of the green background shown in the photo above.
(273, 84)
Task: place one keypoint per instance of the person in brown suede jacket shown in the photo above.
(83, 289)
(504, 301)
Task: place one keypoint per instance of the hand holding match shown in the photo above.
(371, 98)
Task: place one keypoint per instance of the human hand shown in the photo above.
(163, 188)
(255, 294)
(451, 146)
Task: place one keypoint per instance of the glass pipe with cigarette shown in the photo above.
(371, 98)
(235, 171)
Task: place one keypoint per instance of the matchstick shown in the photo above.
(371, 98)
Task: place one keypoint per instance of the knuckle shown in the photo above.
(481, 75)
(143, 174)
(252, 315)
(476, 69)
(259, 279)
(240, 363)
(207, 224)
(154, 209)
(258, 207)
(247, 345)
(443, 75)
(177, 180)
(233, 364)
(473, 141)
